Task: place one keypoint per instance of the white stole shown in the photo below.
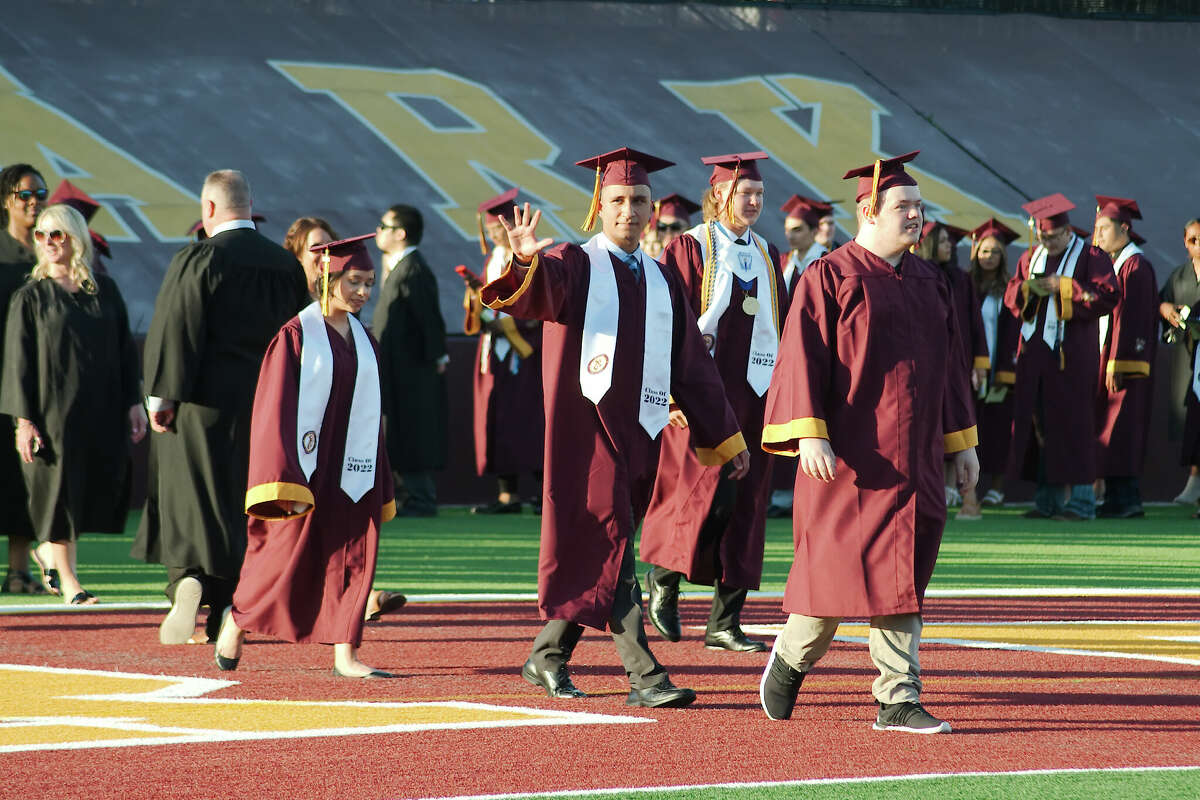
(1128, 251)
(797, 263)
(1053, 332)
(749, 262)
(500, 345)
(599, 341)
(316, 383)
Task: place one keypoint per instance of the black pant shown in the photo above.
(1122, 492)
(215, 592)
(727, 602)
(554, 645)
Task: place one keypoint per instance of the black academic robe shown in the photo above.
(1182, 288)
(221, 303)
(15, 262)
(412, 337)
(71, 367)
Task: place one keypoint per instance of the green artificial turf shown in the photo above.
(1173, 784)
(459, 553)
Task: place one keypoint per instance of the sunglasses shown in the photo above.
(54, 237)
(26, 195)
(663, 227)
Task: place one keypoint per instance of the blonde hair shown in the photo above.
(69, 221)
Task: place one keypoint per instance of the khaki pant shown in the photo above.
(893, 642)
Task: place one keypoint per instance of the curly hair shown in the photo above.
(69, 221)
(10, 179)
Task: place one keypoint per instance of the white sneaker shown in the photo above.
(993, 498)
(953, 498)
(1191, 491)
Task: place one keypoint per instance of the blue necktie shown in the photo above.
(635, 266)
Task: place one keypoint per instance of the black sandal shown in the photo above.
(22, 583)
(82, 598)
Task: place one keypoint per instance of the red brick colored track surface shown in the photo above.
(1010, 710)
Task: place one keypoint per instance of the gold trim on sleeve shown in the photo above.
(389, 511)
(981, 362)
(266, 493)
(502, 302)
(716, 456)
(773, 436)
(1128, 367)
(961, 440)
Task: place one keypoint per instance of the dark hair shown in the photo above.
(983, 285)
(1190, 223)
(296, 238)
(409, 220)
(10, 179)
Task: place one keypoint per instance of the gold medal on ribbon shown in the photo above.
(750, 305)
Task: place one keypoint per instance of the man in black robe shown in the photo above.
(412, 361)
(221, 303)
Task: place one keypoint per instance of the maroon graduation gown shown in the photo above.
(1123, 417)
(970, 321)
(508, 424)
(1066, 381)
(307, 578)
(596, 454)
(995, 419)
(684, 489)
(865, 362)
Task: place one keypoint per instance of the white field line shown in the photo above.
(811, 782)
(509, 597)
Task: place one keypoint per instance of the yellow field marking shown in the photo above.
(44, 708)
(1175, 642)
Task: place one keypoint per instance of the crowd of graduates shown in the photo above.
(677, 371)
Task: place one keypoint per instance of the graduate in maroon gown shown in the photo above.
(700, 524)
(866, 396)
(672, 216)
(989, 275)
(620, 340)
(939, 245)
(801, 224)
(320, 485)
(506, 381)
(1059, 291)
(1128, 341)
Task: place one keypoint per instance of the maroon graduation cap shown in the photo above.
(1121, 209)
(620, 167)
(807, 209)
(341, 256)
(676, 205)
(875, 179)
(493, 209)
(1049, 212)
(732, 166)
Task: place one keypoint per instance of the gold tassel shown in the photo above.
(1096, 230)
(732, 188)
(325, 284)
(482, 241)
(590, 222)
(873, 208)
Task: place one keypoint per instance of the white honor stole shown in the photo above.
(1128, 251)
(798, 263)
(748, 262)
(1053, 332)
(316, 382)
(599, 341)
(500, 345)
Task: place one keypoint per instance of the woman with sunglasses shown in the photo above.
(23, 194)
(71, 381)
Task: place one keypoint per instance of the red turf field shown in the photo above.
(1011, 710)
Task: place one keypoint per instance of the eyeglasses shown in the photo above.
(54, 237)
(26, 194)
(676, 227)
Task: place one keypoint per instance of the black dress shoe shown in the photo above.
(733, 639)
(779, 687)
(373, 674)
(1120, 512)
(665, 695)
(557, 684)
(663, 608)
(496, 507)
